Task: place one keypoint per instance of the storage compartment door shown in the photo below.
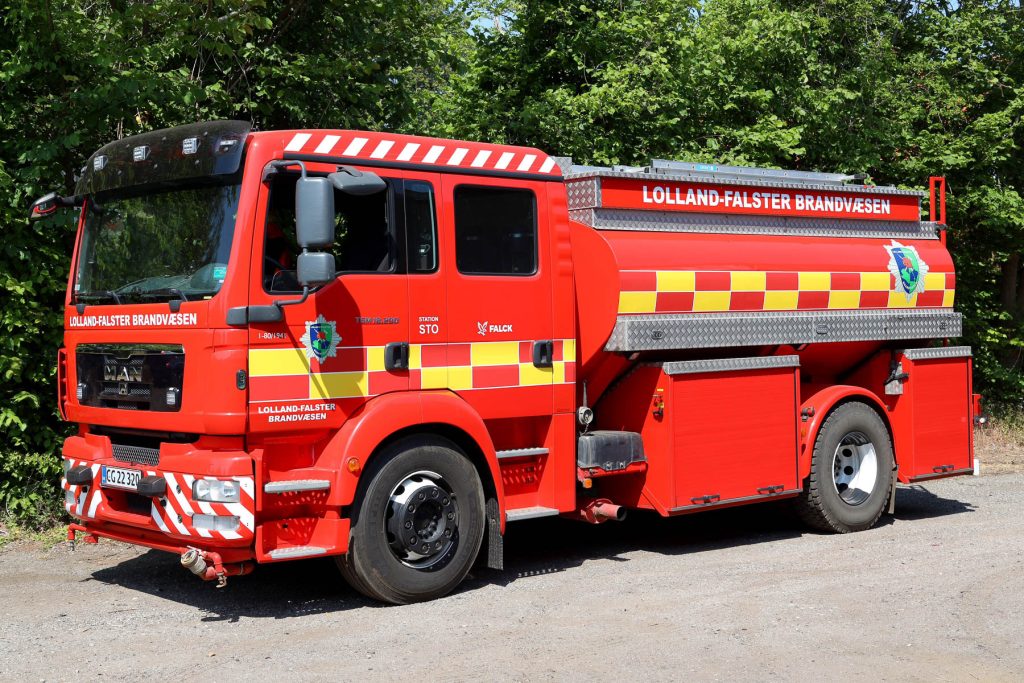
(939, 389)
(735, 429)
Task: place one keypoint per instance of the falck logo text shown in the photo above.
(321, 339)
(483, 328)
(908, 268)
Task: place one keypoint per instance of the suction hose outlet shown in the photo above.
(193, 561)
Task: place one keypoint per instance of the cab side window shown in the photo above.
(495, 230)
(364, 235)
(420, 226)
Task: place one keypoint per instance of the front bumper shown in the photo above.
(165, 522)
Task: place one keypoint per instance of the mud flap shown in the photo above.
(892, 490)
(495, 542)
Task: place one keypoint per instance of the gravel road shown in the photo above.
(933, 594)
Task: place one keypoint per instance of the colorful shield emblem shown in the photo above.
(908, 269)
(321, 339)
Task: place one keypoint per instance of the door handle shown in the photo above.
(544, 353)
(396, 356)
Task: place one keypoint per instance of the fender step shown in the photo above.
(529, 513)
(296, 552)
(297, 485)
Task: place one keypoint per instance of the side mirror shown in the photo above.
(315, 268)
(314, 212)
(44, 206)
(351, 181)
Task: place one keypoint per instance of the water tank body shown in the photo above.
(772, 253)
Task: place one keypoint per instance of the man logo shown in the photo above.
(481, 328)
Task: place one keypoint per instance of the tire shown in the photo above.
(851, 471)
(420, 489)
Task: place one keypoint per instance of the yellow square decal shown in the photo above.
(637, 302)
(460, 377)
(676, 280)
(843, 299)
(494, 353)
(338, 384)
(711, 301)
(874, 282)
(531, 375)
(434, 378)
(269, 362)
(749, 281)
(781, 301)
(815, 282)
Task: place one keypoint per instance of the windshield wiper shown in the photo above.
(99, 294)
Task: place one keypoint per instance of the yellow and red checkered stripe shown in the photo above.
(286, 374)
(684, 291)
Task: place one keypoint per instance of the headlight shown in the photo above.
(215, 490)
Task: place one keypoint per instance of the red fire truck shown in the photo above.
(385, 348)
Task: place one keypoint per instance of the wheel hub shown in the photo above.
(855, 468)
(422, 520)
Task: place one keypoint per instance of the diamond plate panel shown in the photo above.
(708, 330)
(584, 216)
(939, 352)
(583, 194)
(675, 221)
(692, 367)
(645, 172)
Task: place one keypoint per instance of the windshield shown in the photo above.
(160, 245)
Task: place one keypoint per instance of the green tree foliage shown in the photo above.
(75, 75)
(894, 88)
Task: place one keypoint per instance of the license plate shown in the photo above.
(120, 478)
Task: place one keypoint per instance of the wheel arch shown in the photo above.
(391, 417)
(824, 403)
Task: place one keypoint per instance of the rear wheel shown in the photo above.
(851, 471)
(418, 524)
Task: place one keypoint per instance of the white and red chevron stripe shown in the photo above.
(416, 150)
(79, 500)
(171, 514)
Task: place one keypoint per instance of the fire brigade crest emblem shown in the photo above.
(321, 339)
(909, 269)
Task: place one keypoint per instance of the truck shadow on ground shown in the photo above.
(532, 548)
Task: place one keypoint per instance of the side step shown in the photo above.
(296, 552)
(529, 513)
(520, 453)
(297, 485)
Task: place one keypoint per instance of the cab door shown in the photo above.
(500, 326)
(335, 350)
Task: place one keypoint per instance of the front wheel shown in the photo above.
(851, 471)
(418, 525)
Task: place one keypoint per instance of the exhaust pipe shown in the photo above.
(601, 510)
(609, 511)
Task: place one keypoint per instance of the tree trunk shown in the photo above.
(1010, 287)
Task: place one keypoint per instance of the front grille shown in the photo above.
(139, 455)
(131, 376)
